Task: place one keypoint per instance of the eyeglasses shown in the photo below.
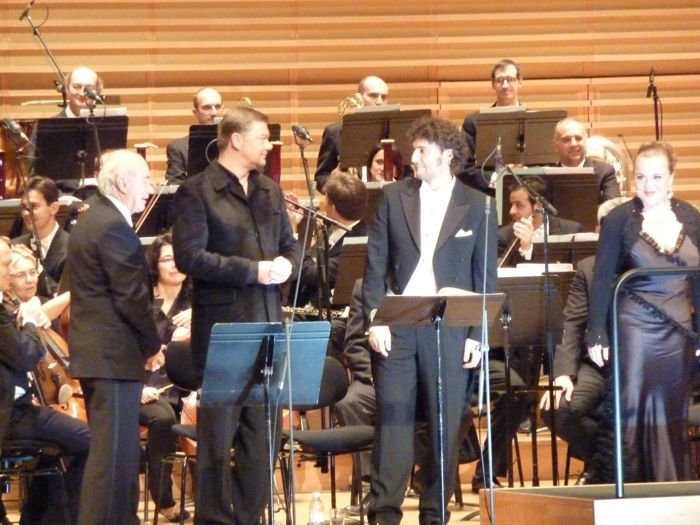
(31, 274)
(502, 80)
(167, 259)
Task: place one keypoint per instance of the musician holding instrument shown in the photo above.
(371, 91)
(20, 418)
(160, 404)
(207, 105)
(39, 209)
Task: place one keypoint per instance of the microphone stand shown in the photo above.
(657, 111)
(60, 76)
(546, 210)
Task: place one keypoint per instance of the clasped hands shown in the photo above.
(276, 271)
(380, 342)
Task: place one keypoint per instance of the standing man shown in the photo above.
(506, 81)
(570, 137)
(112, 336)
(373, 91)
(39, 208)
(429, 232)
(207, 105)
(232, 236)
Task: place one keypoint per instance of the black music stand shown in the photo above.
(247, 364)
(441, 310)
(363, 130)
(525, 136)
(202, 148)
(66, 148)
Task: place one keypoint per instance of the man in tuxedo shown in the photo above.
(429, 233)
(80, 78)
(233, 237)
(207, 105)
(506, 81)
(570, 137)
(112, 335)
(527, 223)
(39, 208)
(372, 91)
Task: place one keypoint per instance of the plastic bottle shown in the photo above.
(317, 514)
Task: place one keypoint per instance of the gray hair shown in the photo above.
(116, 163)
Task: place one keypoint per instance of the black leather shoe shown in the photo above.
(478, 484)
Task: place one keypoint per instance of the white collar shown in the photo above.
(121, 207)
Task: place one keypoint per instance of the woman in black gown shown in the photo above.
(655, 314)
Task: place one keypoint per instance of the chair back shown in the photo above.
(179, 367)
(334, 385)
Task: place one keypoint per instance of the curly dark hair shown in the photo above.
(445, 135)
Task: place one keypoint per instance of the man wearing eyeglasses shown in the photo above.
(207, 105)
(506, 81)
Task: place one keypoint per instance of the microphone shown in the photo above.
(650, 87)
(25, 13)
(92, 94)
(302, 133)
(14, 128)
(497, 164)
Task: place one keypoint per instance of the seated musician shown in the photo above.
(371, 91)
(20, 352)
(570, 137)
(81, 80)
(39, 209)
(516, 241)
(160, 405)
(206, 106)
(375, 165)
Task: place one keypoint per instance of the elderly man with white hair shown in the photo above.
(113, 337)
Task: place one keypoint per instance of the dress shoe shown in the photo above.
(478, 484)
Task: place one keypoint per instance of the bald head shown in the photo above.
(373, 90)
(207, 105)
(570, 142)
(80, 78)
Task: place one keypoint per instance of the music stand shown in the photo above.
(60, 142)
(526, 136)
(362, 131)
(451, 311)
(247, 364)
(567, 249)
(202, 148)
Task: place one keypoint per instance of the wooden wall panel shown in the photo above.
(297, 59)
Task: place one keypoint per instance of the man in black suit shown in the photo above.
(570, 142)
(78, 80)
(22, 419)
(506, 81)
(372, 91)
(39, 208)
(112, 335)
(429, 233)
(233, 237)
(207, 105)
(527, 224)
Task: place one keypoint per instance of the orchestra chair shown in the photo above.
(324, 444)
(24, 459)
(178, 366)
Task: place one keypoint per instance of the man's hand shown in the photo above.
(567, 390)
(149, 394)
(472, 353)
(523, 230)
(380, 339)
(598, 354)
(280, 270)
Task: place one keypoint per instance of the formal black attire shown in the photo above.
(328, 153)
(20, 352)
(557, 226)
(656, 354)
(54, 261)
(220, 235)
(112, 333)
(177, 154)
(408, 376)
(607, 179)
(578, 420)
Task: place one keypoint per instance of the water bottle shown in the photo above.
(317, 515)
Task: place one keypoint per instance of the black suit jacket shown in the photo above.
(557, 226)
(112, 331)
(573, 349)
(177, 154)
(356, 352)
(219, 236)
(54, 261)
(328, 153)
(607, 180)
(393, 248)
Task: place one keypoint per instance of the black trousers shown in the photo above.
(110, 489)
(159, 417)
(406, 377)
